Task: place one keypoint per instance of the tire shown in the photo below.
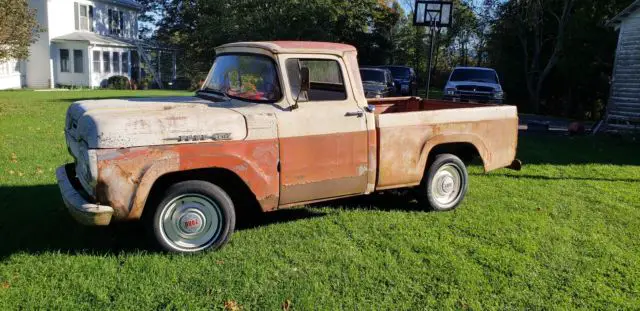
(445, 184)
(193, 216)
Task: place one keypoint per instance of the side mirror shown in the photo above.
(305, 86)
(305, 82)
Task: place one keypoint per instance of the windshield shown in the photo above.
(244, 76)
(476, 75)
(400, 72)
(369, 75)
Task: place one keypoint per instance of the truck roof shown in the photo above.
(476, 68)
(293, 46)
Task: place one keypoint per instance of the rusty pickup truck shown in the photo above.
(275, 125)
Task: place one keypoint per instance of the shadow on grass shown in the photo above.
(539, 177)
(565, 150)
(34, 220)
(392, 200)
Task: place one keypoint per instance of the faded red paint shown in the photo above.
(323, 166)
(126, 176)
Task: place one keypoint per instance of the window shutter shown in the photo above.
(121, 22)
(77, 15)
(91, 18)
(110, 21)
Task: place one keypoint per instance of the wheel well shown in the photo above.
(467, 152)
(243, 198)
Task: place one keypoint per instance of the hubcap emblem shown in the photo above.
(191, 223)
(447, 185)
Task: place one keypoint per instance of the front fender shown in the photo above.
(127, 176)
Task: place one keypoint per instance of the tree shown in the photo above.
(18, 29)
(532, 35)
(197, 26)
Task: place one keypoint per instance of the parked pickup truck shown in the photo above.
(275, 125)
(474, 84)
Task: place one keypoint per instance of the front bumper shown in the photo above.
(83, 211)
(472, 99)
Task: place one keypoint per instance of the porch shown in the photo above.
(89, 60)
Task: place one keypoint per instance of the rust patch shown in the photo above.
(126, 176)
(321, 166)
(404, 150)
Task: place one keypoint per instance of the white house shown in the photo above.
(623, 110)
(85, 43)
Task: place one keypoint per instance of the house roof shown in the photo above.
(93, 38)
(127, 3)
(624, 14)
(294, 46)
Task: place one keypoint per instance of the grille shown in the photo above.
(472, 88)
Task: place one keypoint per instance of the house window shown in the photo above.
(64, 60)
(125, 62)
(84, 17)
(116, 62)
(116, 22)
(9, 68)
(106, 61)
(78, 61)
(96, 61)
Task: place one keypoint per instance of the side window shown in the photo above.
(96, 61)
(325, 75)
(64, 60)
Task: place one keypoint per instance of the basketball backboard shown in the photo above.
(433, 13)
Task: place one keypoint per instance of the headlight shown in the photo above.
(87, 169)
(450, 91)
(498, 95)
(93, 166)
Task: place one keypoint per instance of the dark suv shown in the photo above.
(377, 82)
(405, 78)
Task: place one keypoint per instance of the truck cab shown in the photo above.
(275, 125)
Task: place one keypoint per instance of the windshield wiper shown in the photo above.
(224, 95)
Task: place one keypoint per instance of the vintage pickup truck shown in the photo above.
(275, 125)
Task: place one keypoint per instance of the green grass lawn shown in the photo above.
(563, 233)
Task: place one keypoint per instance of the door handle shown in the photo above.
(358, 114)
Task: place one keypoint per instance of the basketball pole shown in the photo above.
(432, 29)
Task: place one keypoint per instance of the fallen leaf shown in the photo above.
(14, 158)
(39, 170)
(219, 262)
(286, 305)
(5, 285)
(11, 172)
(231, 305)
(20, 174)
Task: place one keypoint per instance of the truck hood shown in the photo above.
(132, 122)
(456, 84)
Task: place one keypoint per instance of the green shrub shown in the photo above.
(118, 83)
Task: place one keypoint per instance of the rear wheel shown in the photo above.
(445, 183)
(193, 216)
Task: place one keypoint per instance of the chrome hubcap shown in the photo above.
(191, 222)
(446, 185)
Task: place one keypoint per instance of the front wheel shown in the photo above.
(193, 216)
(445, 184)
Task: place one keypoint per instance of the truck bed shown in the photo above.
(408, 128)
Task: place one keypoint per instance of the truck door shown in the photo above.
(323, 143)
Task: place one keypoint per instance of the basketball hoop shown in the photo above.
(434, 15)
